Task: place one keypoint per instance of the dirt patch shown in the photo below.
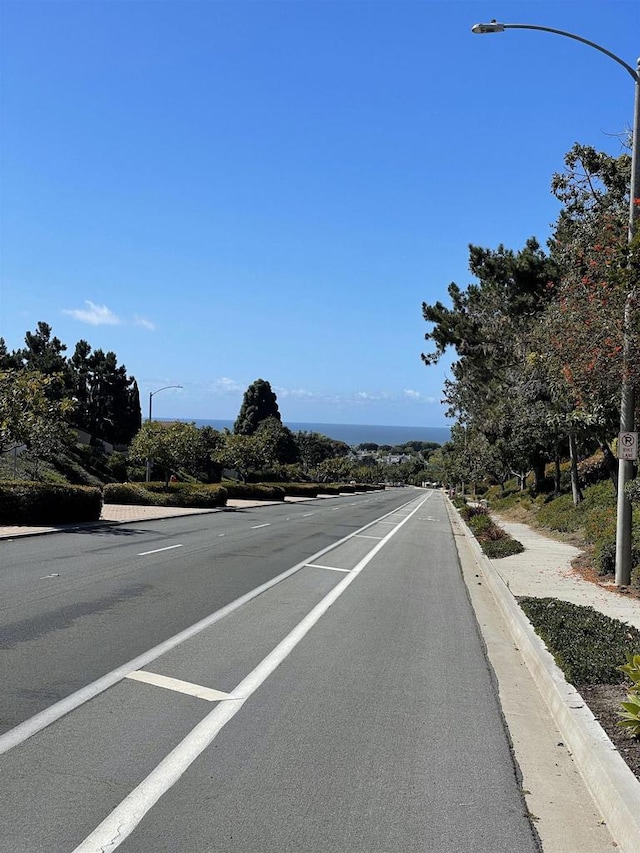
(604, 701)
(583, 566)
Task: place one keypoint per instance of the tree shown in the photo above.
(278, 443)
(170, 446)
(494, 389)
(314, 448)
(243, 453)
(33, 414)
(258, 404)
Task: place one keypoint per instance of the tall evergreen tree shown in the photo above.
(258, 404)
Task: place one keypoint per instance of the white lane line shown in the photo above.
(124, 818)
(363, 536)
(256, 526)
(157, 550)
(331, 568)
(178, 686)
(307, 514)
(18, 734)
(52, 575)
(336, 509)
(221, 534)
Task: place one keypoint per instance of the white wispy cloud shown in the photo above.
(95, 315)
(225, 385)
(418, 396)
(146, 324)
(298, 393)
(368, 397)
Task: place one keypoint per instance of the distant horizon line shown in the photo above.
(319, 423)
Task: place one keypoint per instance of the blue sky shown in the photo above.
(221, 191)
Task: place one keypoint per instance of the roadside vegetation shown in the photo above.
(52, 468)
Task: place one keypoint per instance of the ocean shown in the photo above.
(353, 434)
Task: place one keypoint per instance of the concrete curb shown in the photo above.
(613, 786)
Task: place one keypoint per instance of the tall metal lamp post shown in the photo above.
(151, 396)
(627, 405)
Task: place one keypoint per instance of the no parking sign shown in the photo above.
(628, 446)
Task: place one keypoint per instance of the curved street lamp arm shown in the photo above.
(153, 393)
(626, 66)
(495, 27)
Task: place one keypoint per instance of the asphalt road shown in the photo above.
(353, 709)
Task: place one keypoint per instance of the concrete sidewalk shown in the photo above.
(130, 514)
(544, 570)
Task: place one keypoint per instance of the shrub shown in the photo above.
(201, 496)
(300, 490)
(560, 515)
(585, 643)
(506, 546)
(328, 489)
(48, 503)
(129, 493)
(254, 491)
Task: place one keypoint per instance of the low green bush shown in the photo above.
(300, 490)
(328, 489)
(134, 494)
(254, 491)
(587, 645)
(561, 515)
(30, 503)
(505, 546)
(201, 496)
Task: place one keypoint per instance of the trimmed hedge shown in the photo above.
(587, 645)
(29, 503)
(201, 496)
(129, 493)
(254, 491)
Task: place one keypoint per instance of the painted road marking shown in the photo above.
(52, 575)
(364, 536)
(306, 514)
(124, 818)
(331, 568)
(20, 733)
(178, 686)
(256, 526)
(157, 550)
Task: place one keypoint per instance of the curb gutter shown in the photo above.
(613, 786)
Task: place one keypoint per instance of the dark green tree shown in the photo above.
(258, 404)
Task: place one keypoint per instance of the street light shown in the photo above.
(151, 396)
(627, 403)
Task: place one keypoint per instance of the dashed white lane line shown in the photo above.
(65, 706)
(331, 568)
(256, 526)
(52, 575)
(124, 818)
(306, 514)
(157, 550)
(179, 686)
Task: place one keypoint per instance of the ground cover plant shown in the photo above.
(591, 648)
(493, 539)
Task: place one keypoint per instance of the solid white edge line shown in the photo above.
(41, 720)
(157, 550)
(256, 526)
(124, 818)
